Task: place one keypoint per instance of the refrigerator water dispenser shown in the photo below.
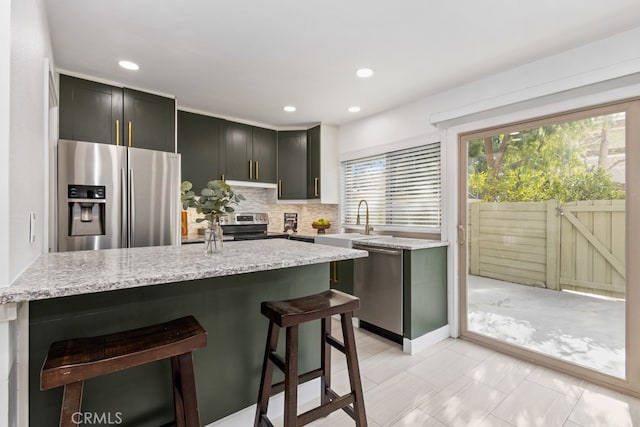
(86, 210)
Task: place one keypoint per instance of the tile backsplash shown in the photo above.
(306, 215)
(264, 200)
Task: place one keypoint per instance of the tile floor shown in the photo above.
(457, 383)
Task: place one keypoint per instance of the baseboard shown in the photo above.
(245, 417)
(418, 344)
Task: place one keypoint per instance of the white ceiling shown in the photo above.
(247, 59)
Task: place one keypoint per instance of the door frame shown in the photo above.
(631, 384)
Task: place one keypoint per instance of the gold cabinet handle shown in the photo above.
(315, 187)
(280, 188)
(117, 132)
(257, 171)
(334, 266)
(130, 128)
(250, 169)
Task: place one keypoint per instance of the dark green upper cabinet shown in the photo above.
(199, 145)
(237, 151)
(264, 154)
(90, 111)
(313, 163)
(292, 164)
(249, 153)
(96, 112)
(150, 120)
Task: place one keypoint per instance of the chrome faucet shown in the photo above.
(367, 227)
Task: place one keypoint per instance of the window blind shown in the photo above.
(402, 188)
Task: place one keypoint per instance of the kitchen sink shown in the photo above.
(343, 240)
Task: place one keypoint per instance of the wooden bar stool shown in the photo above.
(69, 363)
(289, 314)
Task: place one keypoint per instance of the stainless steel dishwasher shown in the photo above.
(377, 281)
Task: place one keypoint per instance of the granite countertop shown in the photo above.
(73, 273)
(400, 243)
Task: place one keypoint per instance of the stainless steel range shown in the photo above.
(248, 226)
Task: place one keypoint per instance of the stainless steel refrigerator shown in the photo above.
(116, 197)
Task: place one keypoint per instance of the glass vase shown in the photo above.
(213, 238)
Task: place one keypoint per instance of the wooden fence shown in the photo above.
(576, 245)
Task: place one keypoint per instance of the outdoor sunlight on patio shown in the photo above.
(580, 329)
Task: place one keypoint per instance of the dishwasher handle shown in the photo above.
(377, 250)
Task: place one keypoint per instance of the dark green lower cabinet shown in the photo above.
(227, 370)
(341, 276)
(425, 291)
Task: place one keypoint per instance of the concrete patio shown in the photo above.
(585, 330)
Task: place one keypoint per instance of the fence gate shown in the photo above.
(591, 247)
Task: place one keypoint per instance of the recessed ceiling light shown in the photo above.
(363, 73)
(289, 108)
(129, 65)
(354, 109)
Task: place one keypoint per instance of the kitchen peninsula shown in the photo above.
(89, 293)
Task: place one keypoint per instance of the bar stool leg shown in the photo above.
(291, 378)
(325, 363)
(184, 391)
(177, 394)
(354, 370)
(71, 401)
(267, 374)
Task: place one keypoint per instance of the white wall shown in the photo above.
(24, 45)
(30, 45)
(5, 67)
(5, 61)
(603, 71)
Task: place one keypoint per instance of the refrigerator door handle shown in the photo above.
(132, 210)
(123, 209)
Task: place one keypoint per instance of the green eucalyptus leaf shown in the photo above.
(214, 200)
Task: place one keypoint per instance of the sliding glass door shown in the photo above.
(545, 209)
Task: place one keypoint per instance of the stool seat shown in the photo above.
(289, 314)
(83, 358)
(299, 310)
(70, 362)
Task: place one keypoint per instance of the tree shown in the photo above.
(543, 163)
